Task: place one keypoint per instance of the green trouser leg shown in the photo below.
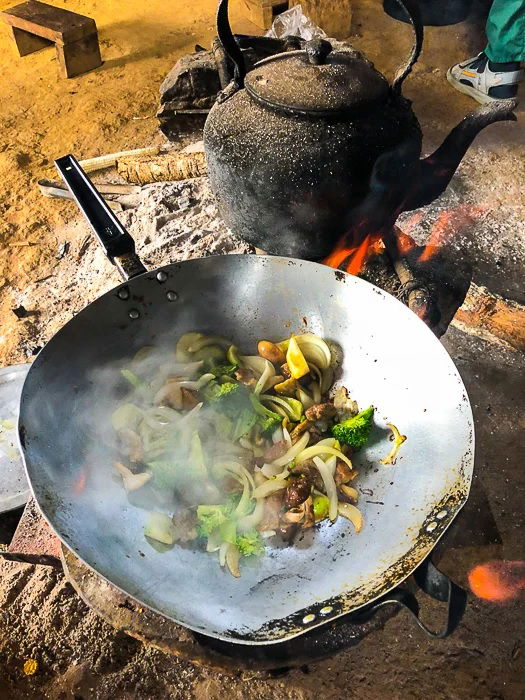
(506, 31)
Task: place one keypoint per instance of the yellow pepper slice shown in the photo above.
(297, 364)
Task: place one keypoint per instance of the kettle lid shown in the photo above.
(317, 81)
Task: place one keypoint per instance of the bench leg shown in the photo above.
(79, 56)
(27, 43)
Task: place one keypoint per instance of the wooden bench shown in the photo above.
(36, 25)
(263, 12)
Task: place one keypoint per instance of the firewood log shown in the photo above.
(174, 165)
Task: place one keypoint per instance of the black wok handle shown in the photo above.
(411, 7)
(438, 586)
(112, 236)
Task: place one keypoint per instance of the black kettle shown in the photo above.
(314, 142)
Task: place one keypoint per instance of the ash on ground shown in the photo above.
(170, 222)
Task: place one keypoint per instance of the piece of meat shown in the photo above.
(131, 444)
(278, 449)
(285, 371)
(343, 473)
(320, 411)
(272, 512)
(246, 376)
(170, 394)
(299, 429)
(298, 490)
(286, 388)
(185, 522)
(309, 518)
(189, 399)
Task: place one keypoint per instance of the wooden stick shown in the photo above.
(418, 300)
(110, 160)
(491, 317)
(54, 188)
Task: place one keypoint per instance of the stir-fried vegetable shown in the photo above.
(355, 431)
(241, 447)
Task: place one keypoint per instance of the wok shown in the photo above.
(391, 359)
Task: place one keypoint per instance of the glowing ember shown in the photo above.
(498, 581)
(449, 224)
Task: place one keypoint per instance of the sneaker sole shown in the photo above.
(470, 91)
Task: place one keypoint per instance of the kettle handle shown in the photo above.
(411, 7)
(230, 46)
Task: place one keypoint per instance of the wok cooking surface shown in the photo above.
(391, 360)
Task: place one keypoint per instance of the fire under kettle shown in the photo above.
(314, 143)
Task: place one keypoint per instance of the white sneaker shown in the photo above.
(474, 78)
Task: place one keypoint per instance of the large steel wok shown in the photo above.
(391, 359)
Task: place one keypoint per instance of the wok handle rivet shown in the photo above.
(133, 313)
(326, 610)
(172, 296)
(162, 276)
(442, 514)
(123, 293)
(431, 526)
(308, 618)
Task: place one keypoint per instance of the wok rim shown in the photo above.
(250, 639)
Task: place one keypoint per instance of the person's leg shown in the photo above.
(506, 31)
(494, 74)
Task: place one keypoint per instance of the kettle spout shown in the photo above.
(436, 171)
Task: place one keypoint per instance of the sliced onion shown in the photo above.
(286, 437)
(347, 510)
(214, 541)
(232, 560)
(315, 450)
(249, 522)
(316, 393)
(270, 486)
(350, 492)
(277, 435)
(266, 376)
(330, 442)
(271, 470)
(206, 340)
(243, 505)
(254, 362)
(331, 463)
(278, 409)
(294, 451)
(199, 383)
(182, 353)
(329, 485)
(265, 534)
(304, 397)
(222, 553)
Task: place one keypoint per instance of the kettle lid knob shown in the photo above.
(317, 51)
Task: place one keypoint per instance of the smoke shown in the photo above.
(144, 415)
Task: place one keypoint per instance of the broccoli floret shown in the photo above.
(229, 398)
(268, 420)
(355, 431)
(269, 424)
(211, 517)
(220, 370)
(250, 543)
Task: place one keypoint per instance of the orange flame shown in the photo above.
(498, 581)
(449, 223)
(354, 256)
(80, 482)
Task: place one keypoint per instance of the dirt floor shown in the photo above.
(113, 108)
